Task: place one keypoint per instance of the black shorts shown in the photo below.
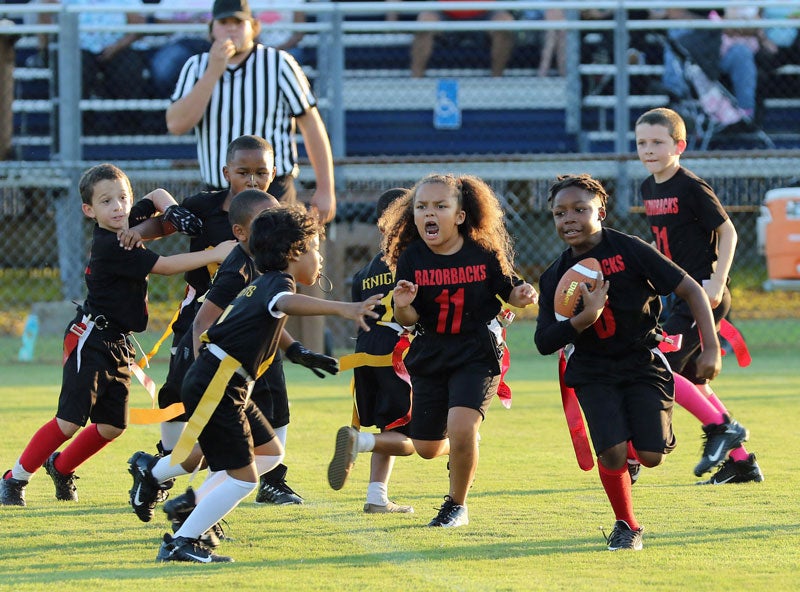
(227, 440)
(680, 321)
(99, 390)
(270, 396)
(382, 397)
(628, 399)
(449, 371)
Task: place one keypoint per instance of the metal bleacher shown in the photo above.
(386, 112)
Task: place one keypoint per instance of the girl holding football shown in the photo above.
(452, 256)
(622, 381)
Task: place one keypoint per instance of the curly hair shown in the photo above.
(483, 222)
(281, 233)
(583, 181)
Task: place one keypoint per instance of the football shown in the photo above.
(568, 300)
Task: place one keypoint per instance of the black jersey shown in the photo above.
(637, 274)
(457, 293)
(207, 205)
(261, 96)
(249, 329)
(116, 278)
(376, 278)
(233, 275)
(684, 213)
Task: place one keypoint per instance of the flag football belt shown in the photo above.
(393, 359)
(228, 367)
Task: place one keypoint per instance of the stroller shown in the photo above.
(707, 104)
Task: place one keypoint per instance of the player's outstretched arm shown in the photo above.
(183, 262)
(302, 305)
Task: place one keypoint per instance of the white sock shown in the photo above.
(170, 433)
(377, 493)
(264, 463)
(281, 434)
(19, 472)
(162, 470)
(215, 506)
(213, 480)
(366, 441)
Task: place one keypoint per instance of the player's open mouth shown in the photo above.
(431, 229)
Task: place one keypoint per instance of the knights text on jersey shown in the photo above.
(457, 293)
(637, 274)
(261, 96)
(375, 278)
(683, 213)
(248, 329)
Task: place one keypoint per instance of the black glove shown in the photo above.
(183, 220)
(312, 360)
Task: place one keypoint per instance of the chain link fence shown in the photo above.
(571, 114)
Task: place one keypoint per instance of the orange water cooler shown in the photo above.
(779, 230)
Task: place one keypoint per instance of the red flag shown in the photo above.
(732, 336)
(572, 411)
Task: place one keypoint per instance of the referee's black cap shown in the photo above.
(239, 9)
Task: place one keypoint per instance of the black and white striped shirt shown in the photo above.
(261, 96)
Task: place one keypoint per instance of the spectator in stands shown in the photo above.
(236, 63)
(738, 55)
(502, 42)
(273, 35)
(786, 42)
(555, 46)
(170, 53)
(731, 52)
(111, 67)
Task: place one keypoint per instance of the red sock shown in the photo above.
(43, 443)
(691, 398)
(86, 444)
(618, 489)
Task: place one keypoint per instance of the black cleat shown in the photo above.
(736, 471)
(144, 493)
(623, 537)
(720, 439)
(450, 515)
(12, 491)
(178, 510)
(273, 489)
(187, 550)
(66, 491)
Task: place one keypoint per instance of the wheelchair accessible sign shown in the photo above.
(446, 112)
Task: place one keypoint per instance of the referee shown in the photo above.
(241, 87)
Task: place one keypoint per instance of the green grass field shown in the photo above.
(534, 515)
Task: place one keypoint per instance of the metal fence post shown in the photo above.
(622, 114)
(69, 223)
